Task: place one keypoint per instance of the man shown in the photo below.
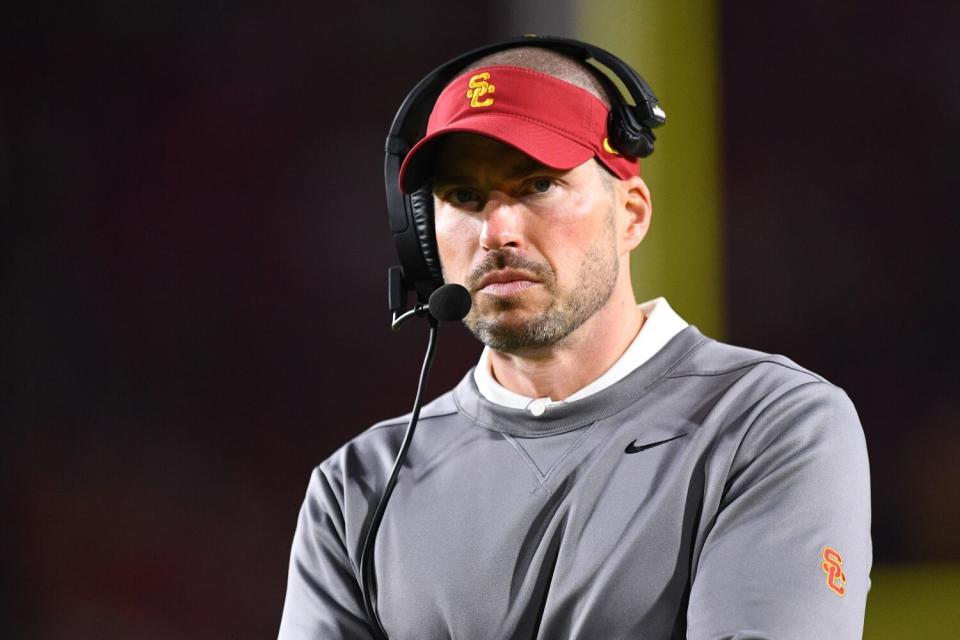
(605, 471)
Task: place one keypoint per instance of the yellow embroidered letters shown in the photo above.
(479, 87)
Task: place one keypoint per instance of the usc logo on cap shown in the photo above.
(832, 565)
(479, 87)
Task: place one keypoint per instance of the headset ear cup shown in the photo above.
(421, 211)
(628, 135)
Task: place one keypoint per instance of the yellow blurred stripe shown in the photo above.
(913, 601)
(675, 47)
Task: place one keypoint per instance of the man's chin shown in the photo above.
(511, 331)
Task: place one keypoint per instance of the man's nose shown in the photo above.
(502, 224)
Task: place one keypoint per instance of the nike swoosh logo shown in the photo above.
(633, 447)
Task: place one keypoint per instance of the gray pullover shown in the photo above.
(715, 492)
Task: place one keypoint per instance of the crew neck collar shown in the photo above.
(567, 416)
(661, 325)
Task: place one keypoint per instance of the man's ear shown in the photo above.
(635, 208)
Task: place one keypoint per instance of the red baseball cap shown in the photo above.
(556, 123)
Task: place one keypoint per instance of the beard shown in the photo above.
(596, 281)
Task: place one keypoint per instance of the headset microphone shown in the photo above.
(450, 302)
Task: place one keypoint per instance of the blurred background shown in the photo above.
(193, 255)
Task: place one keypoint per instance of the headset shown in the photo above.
(629, 127)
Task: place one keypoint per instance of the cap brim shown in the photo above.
(544, 145)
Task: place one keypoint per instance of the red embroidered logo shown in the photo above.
(833, 567)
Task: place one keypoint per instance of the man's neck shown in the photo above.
(560, 370)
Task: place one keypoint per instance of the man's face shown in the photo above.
(536, 247)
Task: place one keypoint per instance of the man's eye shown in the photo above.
(462, 196)
(542, 185)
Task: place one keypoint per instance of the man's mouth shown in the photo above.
(506, 282)
(512, 287)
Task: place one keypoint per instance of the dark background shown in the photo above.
(194, 249)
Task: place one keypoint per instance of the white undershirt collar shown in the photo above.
(661, 325)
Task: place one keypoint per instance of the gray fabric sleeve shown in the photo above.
(797, 485)
(323, 597)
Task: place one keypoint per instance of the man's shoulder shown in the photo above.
(757, 386)
(442, 405)
(715, 359)
(750, 377)
(377, 445)
(768, 405)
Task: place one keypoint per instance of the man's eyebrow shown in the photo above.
(445, 180)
